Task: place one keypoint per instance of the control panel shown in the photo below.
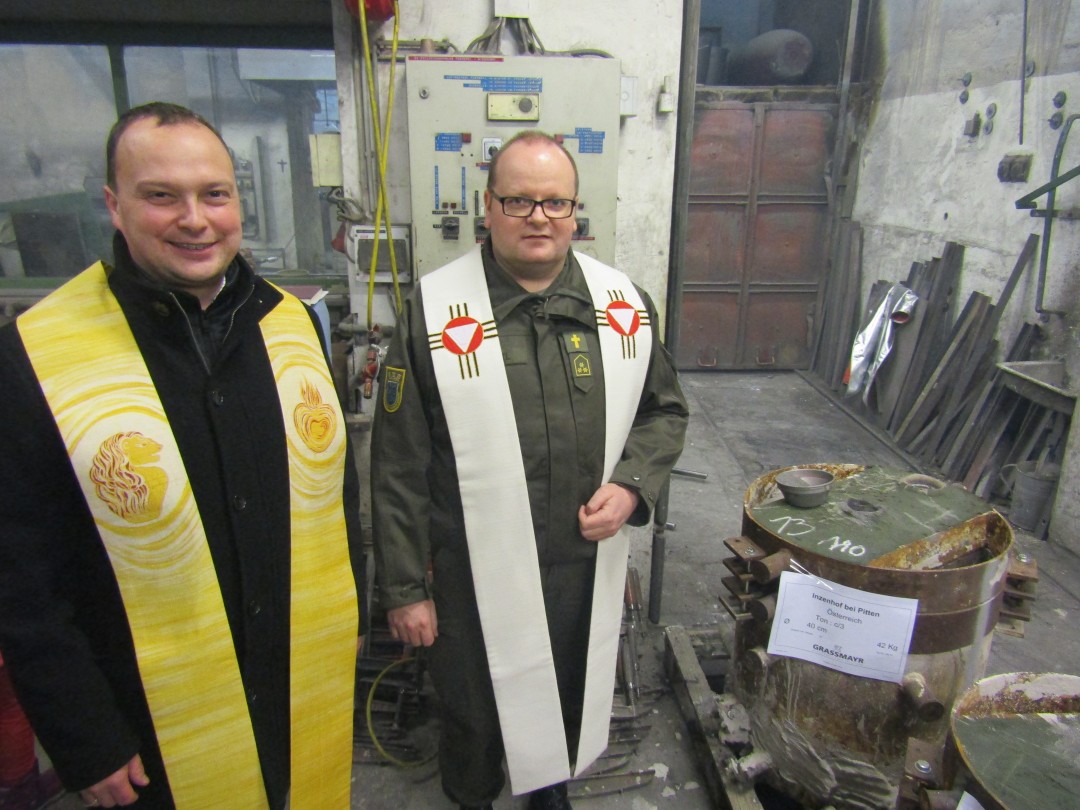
(463, 108)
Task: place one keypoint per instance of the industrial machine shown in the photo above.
(463, 108)
(1038, 717)
(860, 618)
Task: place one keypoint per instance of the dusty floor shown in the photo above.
(742, 426)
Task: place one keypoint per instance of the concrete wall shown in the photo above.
(644, 35)
(923, 182)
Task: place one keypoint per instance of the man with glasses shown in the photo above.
(528, 411)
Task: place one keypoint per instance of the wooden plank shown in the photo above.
(962, 454)
(846, 325)
(983, 350)
(959, 458)
(941, 376)
(1037, 421)
(835, 294)
(978, 367)
(893, 372)
(991, 434)
(943, 299)
(990, 478)
(938, 305)
(697, 702)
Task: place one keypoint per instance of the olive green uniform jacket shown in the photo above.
(560, 420)
(417, 509)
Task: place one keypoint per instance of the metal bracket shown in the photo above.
(1050, 212)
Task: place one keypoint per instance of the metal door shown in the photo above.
(756, 233)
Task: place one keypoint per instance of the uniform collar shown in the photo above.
(567, 296)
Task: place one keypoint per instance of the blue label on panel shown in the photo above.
(448, 142)
(590, 141)
(501, 84)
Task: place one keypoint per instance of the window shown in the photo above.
(60, 101)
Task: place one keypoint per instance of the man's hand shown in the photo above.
(119, 788)
(415, 624)
(606, 512)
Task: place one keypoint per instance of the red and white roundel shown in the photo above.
(463, 335)
(623, 318)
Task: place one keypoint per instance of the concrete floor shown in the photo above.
(742, 426)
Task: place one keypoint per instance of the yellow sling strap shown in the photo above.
(128, 464)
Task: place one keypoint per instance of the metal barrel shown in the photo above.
(1014, 741)
(835, 737)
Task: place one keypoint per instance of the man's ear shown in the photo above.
(113, 205)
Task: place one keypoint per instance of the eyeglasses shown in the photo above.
(557, 208)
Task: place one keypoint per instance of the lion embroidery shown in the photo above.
(123, 479)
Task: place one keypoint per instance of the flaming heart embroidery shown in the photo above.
(315, 421)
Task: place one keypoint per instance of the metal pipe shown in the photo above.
(118, 68)
(684, 137)
(659, 547)
(1023, 70)
(1051, 199)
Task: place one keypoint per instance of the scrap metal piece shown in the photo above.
(697, 702)
(874, 343)
(582, 787)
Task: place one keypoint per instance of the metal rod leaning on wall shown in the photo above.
(659, 547)
(684, 135)
(659, 542)
(1050, 189)
(680, 195)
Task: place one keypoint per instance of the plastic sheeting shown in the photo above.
(873, 344)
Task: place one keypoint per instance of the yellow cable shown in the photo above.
(382, 147)
(371, 725)
(386, 154)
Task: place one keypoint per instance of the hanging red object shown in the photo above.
(377, 10)
(338, 242)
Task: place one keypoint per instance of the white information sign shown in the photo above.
(857, 632)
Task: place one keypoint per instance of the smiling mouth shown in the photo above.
(193, 246)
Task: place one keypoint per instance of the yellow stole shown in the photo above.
(128, 463)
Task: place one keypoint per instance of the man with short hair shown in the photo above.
(528, 411)
(181, 559)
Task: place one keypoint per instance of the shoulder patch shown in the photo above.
(576, 342)
(393, 388)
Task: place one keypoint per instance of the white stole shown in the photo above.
(472, 382)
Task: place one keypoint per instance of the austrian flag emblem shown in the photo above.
(462, 336)
(624, 319)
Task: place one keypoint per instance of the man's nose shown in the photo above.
(538, 213)
(192, 216)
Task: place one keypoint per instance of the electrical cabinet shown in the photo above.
(462, 108)
(362, 246)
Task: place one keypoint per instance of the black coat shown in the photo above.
(63, 629)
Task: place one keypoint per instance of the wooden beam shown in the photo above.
(697, 702)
